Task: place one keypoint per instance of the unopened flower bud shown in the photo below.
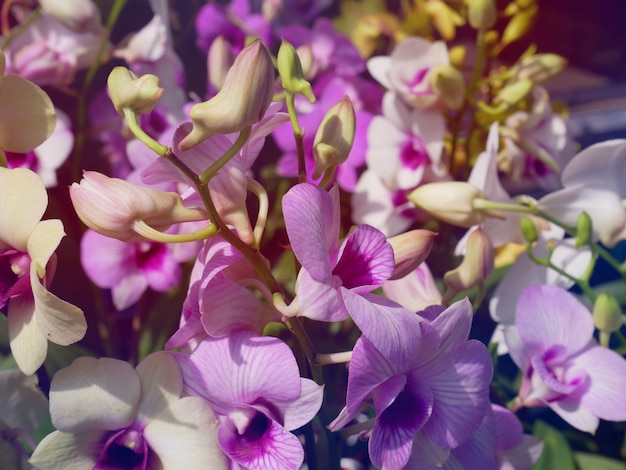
(126, 90)
(584, 230)
(410, 249)
(475, 267)
(307, 60)
(481, 14)
(607, 313)
(290, 71)
(111, 206)
(247, 93)
(451, 202)
(519, 25)
(540, 67)
(448, 83)
(334, 138)
(219, 61)
(529, 229)
(79, 15)
(514, 92)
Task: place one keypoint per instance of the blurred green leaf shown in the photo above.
(597, 462)
(557, 454)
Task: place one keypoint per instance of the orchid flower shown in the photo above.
(562, 365)
(109, 415)
(336, 279)
(27, 265)
(253, 384)
(437, 398)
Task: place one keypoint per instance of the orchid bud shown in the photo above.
(451, 202)
(410, 249)
(514, 92)
(475, 267)
(529, 229)
(219, 60)
(519, 25)
(481, 14)
(540, 67)
(139, 94)
(334, 138)
(607, 313)
(307, 60)
(449, 85)
(247, 93)
(79, 15)
(112, 206)
(584, 230)
(290, 71)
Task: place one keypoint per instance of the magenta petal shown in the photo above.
(265, 445)
(392, 329)
(454, 324)
(319, 300)
(105, 260)
(312, 224)
(460, 385)
(393, 433)
(366, 260)
(549, 315)
(509, 431)
(302, 410)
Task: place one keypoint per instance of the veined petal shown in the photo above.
(607, 372)
(65, 450)
(23, 202)
(395, 428)
(460, 385)
(548, 316)
(318, 300)
(454, 324)
(275, 448)
(241, 368)
(128, 292)
(59, 321)
(313, 232)
(392, 329)
(28, 344)
(161, 385)
(186, 436)
(94, 394)
(365, 261)
(303, 409)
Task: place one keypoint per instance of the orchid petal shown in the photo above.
(161, 385)
(23, 202)
(318, 300)
(94, 394)
(392, 329)
(563, 319)
(28, 345)
(67, 450)
(185, 436)
(302, 410)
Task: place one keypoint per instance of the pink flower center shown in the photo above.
(126, 449)
(413, 154)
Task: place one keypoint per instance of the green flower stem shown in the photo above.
(135, 128)
(583, 284)
(298, 134)
(11, 34)
(142, 228)
(210, 172)
(486, 204)
(252, 255)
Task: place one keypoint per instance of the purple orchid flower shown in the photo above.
(336, 280)
(435, 400)
(563, 366)
(253, 385)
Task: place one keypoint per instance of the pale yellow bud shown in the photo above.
(540, 67)
(126, 90)
(448, 83)
(410, 249)
(607, 313)
(481, 14)
(519, 25)
(450, 202)
(476, 266)
(514, 93)
(334, 138)
(290, 71)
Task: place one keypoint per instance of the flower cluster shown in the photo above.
(266, 249)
